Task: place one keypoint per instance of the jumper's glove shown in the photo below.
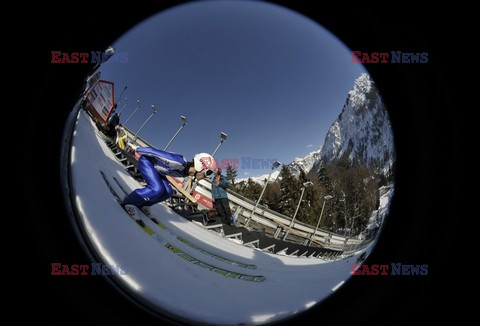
(133, 146)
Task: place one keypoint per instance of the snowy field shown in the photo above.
(198, 280)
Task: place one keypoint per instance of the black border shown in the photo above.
(415, 95)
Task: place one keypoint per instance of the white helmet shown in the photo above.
(204, 161)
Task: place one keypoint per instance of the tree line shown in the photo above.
(350, 191)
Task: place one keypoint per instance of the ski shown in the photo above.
(119, 200)
(188, 243)
(181, 254)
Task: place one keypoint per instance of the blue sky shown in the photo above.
(271, 79)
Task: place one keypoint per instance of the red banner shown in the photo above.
(201, 199)
(101, 100)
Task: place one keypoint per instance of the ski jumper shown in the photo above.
(154, 165)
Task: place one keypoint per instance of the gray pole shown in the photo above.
(119, 97)
(138, 107)
(258, 200)
(154, 110)
(175, 135)
(275, 165)
(223, 137)
(298, 206)
(328, 197)
(216, 149)
(126, 103)
(318, 223)
(305, 185)
(294, 215)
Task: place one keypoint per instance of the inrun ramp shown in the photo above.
(177, 267)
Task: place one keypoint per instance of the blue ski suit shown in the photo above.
(154, 165)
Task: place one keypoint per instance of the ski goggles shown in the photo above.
(208, 172)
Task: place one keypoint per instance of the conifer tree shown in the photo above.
(324, 179)
(290, 194)
(355, 191)
(272, 195)
(251, 190)
(231, 174)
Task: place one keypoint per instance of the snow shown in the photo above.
(305, 163)
(378, 216)
(168, 283)
(363, 124)
(261, 179)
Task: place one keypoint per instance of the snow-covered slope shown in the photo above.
(182, 279)
(305, 163)
(377, 217)
(261, 179)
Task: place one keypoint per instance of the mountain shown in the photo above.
(362, 132)
(305, 163)
(261, 179)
